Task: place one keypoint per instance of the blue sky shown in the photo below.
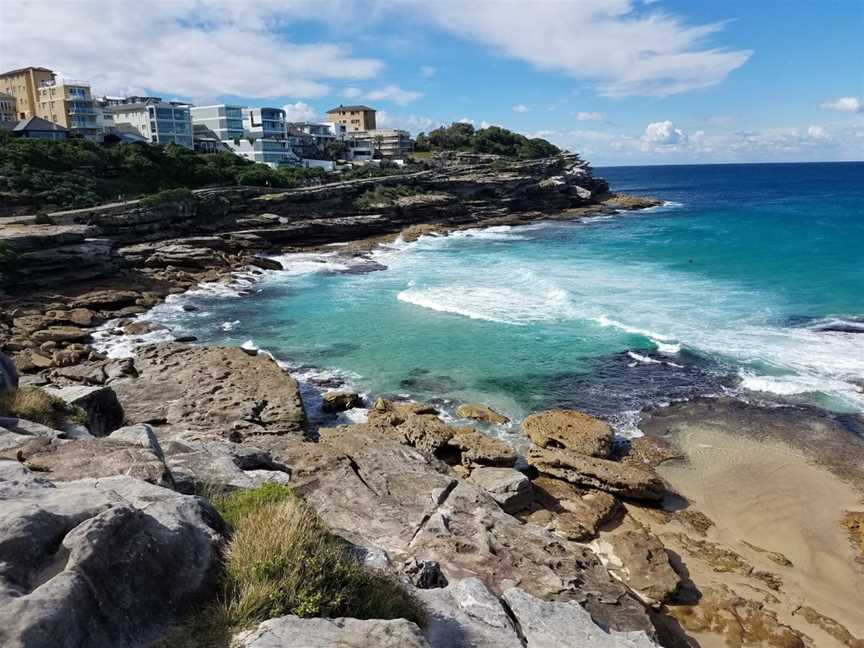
(622, 81)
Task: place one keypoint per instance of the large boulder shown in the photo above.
(589, 472)
(99, 562)
(8, 374)
(571, 430)
(293, 632)
(467, 615)
(638, 558)
(507, 486)
(103, 410)
(480, 412)
(340, 401)
(560, 624)
(209, 392)
(567, 510)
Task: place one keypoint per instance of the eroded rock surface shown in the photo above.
(571, 430)
(98, 562)
(293, 632)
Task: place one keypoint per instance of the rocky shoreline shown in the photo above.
(580, 542)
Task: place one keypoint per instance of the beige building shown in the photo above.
(353, 118)
(39, 93)
(8, 108)
(70, 104)
(23, 84)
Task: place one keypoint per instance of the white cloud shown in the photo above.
(589, 116)
(412, 123)
(465, 120)
(626, 49)
(817, 133)
(395, 94)
(428, 71)
(663, 134)
(351, 93)
(200, 48)
(845, 104)
(521, 108)
(299, 112)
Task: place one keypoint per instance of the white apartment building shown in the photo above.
(159, 123)
(226, 121)
(267, 123)
(390, 143)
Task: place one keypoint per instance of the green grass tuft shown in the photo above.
(33, 404)
(282, 559)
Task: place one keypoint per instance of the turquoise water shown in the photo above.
(728, 287)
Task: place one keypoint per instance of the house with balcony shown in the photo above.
(159, 123)
(389, 143)
(8, 108)
(69, 104)
(266, 123)
(225, 121)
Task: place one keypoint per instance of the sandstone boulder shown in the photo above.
(571, 430)
(98, 562)
(104, 412)
(293, 632)
(477, 449)
(61, 334)
(638, 558)
(566, 510)
(479, 412)
(340, 401)
(507, 486)
(558, 624)
(589, 472)
(211, 392)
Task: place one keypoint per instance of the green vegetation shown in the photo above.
(167, 196)
(79, 173)
(494, 140)
(386, 196)
(35, 405)
(281, 559)
(372, 171)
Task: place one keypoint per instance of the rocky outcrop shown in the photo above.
(293, 632)
(602, 474)
(98, 562)
(340, 401)
(570, 430)
(507, 486)
(571, 512)
(103, 411)
(554, 624)
(211, 392)
(479, 412)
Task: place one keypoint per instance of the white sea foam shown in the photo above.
(642, 359)
(229, 326)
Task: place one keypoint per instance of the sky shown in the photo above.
(619, 81)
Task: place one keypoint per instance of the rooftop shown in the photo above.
(25, 69)
(37, 124)
(343, 108)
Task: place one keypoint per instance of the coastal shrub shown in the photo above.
(386, 196)
(493, 140)
(282, 559)
(33, 404)
(167, 196)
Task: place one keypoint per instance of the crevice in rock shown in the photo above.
(356, 469)
(517, 627)
(441, 499)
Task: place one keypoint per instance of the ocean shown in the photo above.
(748, 281)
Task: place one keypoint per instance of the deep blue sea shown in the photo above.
(750, 281)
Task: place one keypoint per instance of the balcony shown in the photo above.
(80, 108)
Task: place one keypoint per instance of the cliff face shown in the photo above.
(226, 226)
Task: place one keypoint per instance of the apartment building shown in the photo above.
(70, 104)
(389, 143)
(8, 108)
(23, 84)
(266, 123)
(225, 121)
(160, 123)
(353, 118)
(321, 132)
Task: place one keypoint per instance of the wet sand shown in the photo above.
(777, 500)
